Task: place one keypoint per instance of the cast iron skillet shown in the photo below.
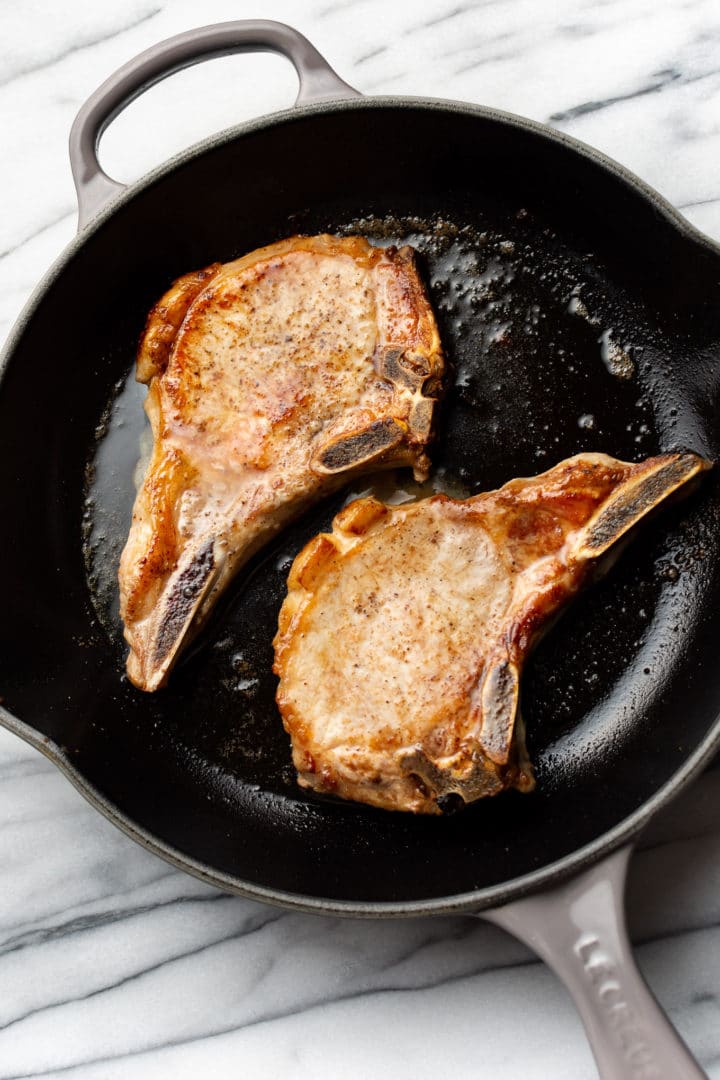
(580, 312)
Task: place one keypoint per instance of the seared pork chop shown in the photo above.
(270, 379)
(403, 634)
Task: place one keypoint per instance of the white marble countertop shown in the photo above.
(113, 965)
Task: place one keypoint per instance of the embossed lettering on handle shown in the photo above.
(605, 978)
(578, 928)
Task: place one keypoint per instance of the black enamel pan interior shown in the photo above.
(579, 312)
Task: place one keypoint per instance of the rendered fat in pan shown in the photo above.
(580, 313)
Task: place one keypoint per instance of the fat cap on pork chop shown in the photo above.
(270, 380)
(401, 641)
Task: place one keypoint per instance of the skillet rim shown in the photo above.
(471, 902)
(475, 900)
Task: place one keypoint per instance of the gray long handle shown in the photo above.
(318, 82)
(578, 928)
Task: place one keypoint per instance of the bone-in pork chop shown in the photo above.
(403, 634)
(270, 379)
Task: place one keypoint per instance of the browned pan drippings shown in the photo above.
(548, 360)
(579, 313)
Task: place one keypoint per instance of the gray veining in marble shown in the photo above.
(113, 965)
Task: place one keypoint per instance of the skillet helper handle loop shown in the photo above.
(318, 82)
(578, 928)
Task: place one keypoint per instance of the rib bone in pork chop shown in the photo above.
(403, 634)
(270, 380)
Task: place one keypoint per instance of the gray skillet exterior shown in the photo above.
(576, 923)
(474, 901)
(471, 902)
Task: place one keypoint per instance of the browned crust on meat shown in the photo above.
(164, 320)
(549, 532)
(392, 426)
